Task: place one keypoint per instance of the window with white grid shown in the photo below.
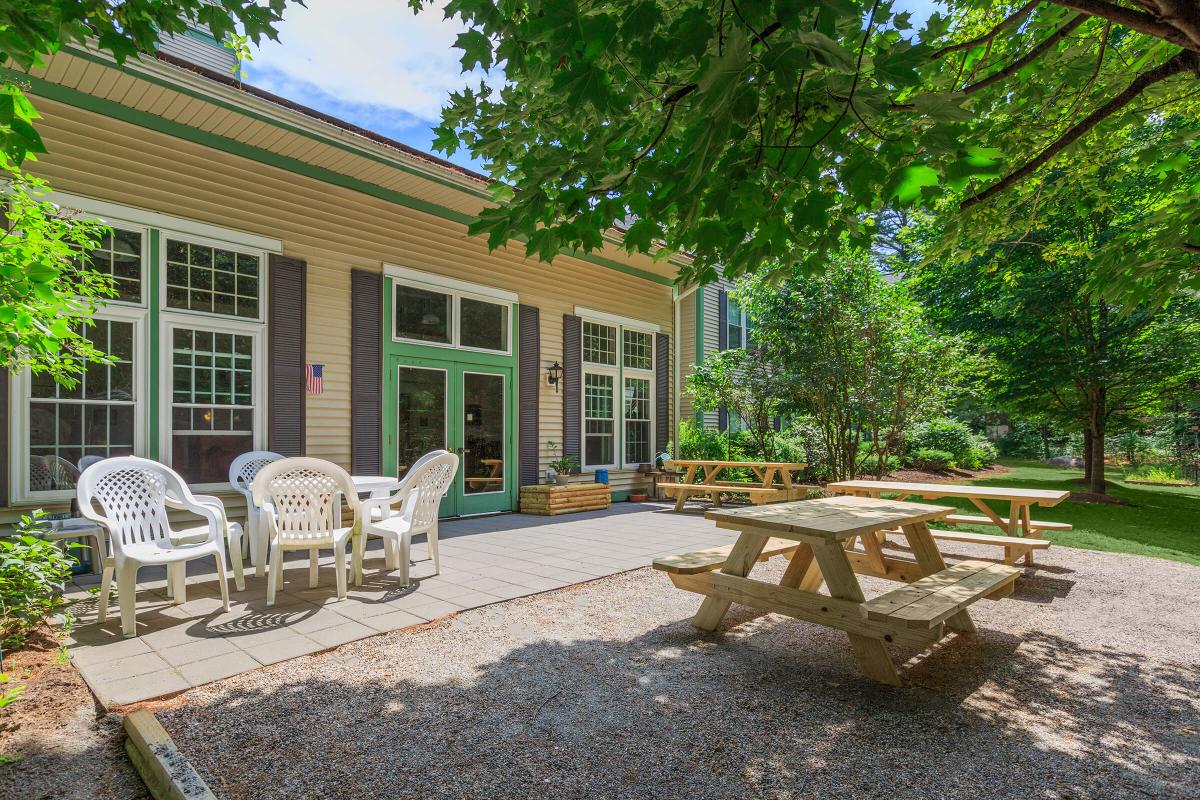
(637, 421)
(637, 349)
(599, 425)
(600, 344)
(213, 280)
(118, 254)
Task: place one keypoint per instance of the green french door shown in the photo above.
(465, 408)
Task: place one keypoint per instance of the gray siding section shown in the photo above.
(366, 372)
(209, 55)
(572, 386)
(529, 367)
(288, 289)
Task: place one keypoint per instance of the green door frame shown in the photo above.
(455, 362)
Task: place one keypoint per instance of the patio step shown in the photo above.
(936, 598)
(707, 560)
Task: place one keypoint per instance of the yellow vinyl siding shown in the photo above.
(333, 229)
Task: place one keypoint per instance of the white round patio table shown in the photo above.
(375, 485)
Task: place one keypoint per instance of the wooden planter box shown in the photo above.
(553, 500)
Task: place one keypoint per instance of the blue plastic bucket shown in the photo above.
(601, 476)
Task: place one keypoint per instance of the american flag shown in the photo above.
(314, 380)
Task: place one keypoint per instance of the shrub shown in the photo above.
(932, 460)
(806, 444)
(982, 453)
(32, 573)
(698, 442)
(945, 435)
(1157, 474)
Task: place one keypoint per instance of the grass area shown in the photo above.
(1161, 521)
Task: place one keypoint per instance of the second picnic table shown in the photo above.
(773, 481)
(819, 535)
(1017, 521)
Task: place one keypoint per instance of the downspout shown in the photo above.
(678, 354)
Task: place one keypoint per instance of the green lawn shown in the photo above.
(1160, 521)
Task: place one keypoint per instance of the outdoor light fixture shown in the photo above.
(554, 375)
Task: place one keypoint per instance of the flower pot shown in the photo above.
(638, 497)
(562, 479)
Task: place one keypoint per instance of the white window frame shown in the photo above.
(457, 290)
(19, 400)
(164, 309)
(742, 322)
(619, 373)
(462, 473)
(215, 323)
(625, 421)
(144, 232)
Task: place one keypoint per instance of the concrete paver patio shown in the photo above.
(484, 560)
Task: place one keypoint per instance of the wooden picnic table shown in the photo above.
(774, 480)
(819, 536)
(1017, 522)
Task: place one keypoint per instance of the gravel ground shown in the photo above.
(1084, 684)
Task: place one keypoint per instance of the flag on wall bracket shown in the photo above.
(314, 378)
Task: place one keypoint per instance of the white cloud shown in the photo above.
(365, 52)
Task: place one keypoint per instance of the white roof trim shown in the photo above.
(154, 219)
(409, 275)
(616, 319)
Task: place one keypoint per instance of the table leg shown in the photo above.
(741, 559)
(1026, 529)
(925, 551)
(872, 656)
(687, 478)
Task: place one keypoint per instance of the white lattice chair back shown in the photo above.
(430, 479)
(246, 467)
(132, 496)
(305, 497)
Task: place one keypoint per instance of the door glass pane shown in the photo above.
(420, 414)
(483, 433)
(422, 315)
(484, 325)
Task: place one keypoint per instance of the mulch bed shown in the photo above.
(64, 747)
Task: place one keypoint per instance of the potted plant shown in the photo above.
(561, 467)
(638, 496)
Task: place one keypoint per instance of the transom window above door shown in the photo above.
(448, 316)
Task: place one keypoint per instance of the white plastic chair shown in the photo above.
(418, 498)
(130, 498)
(241, 475)
(302, 510)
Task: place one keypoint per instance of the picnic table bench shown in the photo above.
(1022, 534)
(818, 536)
(774, 481)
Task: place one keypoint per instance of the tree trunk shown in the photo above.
(1096, 482)
(1087, 451)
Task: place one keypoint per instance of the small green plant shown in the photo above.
(240, 45)
(8, 695)
(1156, 474)
(562, 465)
(32, 573)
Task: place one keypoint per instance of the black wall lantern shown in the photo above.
(554, 375)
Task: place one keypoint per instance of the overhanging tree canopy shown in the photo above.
(763, 132)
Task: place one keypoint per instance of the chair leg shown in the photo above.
(433, 548)
(314, 556)
(105, 591)
(259, 542)
(223, 578)
(127, 599)
(389, 554)
(339, 560)
(275, 576)
(177, 575)
(359, 544)
(404, 545)
(235, 555)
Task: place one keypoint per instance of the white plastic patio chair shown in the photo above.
(130, 498)
(301, 500)
(241, 475)
(418, 498)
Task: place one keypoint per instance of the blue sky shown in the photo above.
(376, 64)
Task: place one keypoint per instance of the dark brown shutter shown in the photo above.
(4, 444)
(286, 296)
(662, 388)
(572, 386)
(722, 419)
(366, 372)
(529, 368)
(722, 320)
(777, 424)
